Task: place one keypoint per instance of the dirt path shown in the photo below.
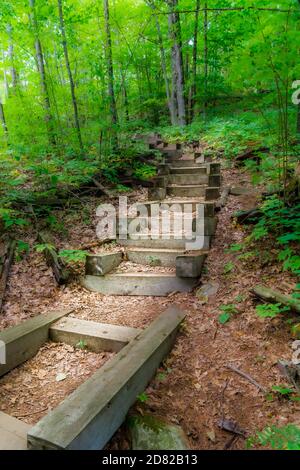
(194, 389)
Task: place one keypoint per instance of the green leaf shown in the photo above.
(224, 318)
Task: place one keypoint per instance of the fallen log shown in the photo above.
(252, 154)
(6, 261)
(101, 187)
(251, 216)
(61, 273)
(273, 296)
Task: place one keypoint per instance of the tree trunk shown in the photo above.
(125, 94)
(14, 74)
(3, 120)
(177, 62)
(194, 66)
(6, 261)
(42, 72)
(170, 102)
(205, 58)
(72, 85)
(110, 72)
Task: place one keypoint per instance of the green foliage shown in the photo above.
(282, 222)
(229, 267)
(81, 344)
(142, 397)
(224, 318)
(73, 256)
(154, 261)
(228, 310)
(41, 247)
(278, 438)
(283, 391)
(271, 310)
(235, 248)
(22, 249)
(10, 218)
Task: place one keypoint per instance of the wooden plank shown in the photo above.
(23, 341)
(6, 261)
(13, 433)
(97, 337)
(138, 284)
(99, 265)
(89, 417)
(58, 266)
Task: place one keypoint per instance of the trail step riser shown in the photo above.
(186, 191)
(170, 244)
(135, 285)
(205, 209)
(188, 171)
(188, 179)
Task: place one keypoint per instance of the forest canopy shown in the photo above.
(79, 77)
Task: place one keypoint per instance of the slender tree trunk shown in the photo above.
(205, 57)
(13, 71)
(194, 66)
(171, 104)
(43, 78)
(3, 120)
(126, 103)
(177, 62)
(72, 85)
(110, 71)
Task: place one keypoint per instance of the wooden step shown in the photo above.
(186, 191)
(191, 179)
(188, 170)
(179, 205)
(13, 433)
(171, 244)
(152, 257)
(24, 340)
(90, 416)
(158, 257)
(97, 337)
(138, 284)
(171, 154)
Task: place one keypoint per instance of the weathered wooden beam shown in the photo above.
(274, 296)
(23, 341)
(13, 433)
(89, 417)
(99, 265)
(95, 336)
(61, 273)
(6, 261)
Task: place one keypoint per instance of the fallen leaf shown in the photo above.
(60, 377)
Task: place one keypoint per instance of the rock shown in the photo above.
(291, 372)
(208, 290)
(240, 191)
(149, 433)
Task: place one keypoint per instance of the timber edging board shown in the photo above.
(97, 337)
(89, 417)
(23, 341)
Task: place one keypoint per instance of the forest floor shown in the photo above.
(194, 388)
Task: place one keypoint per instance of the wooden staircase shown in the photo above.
(185, 180)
